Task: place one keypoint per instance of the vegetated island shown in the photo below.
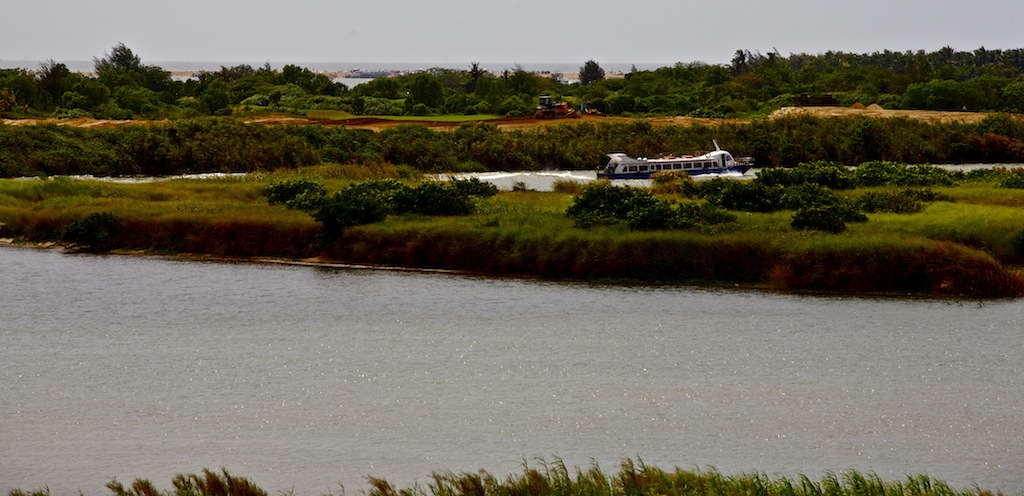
(324, 184)
(883, 228)
(555, 479)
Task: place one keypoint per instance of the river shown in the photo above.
(308, 379)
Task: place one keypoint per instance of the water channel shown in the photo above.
(303, 378)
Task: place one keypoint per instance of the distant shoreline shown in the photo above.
(186, 66)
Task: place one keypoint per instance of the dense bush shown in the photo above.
(903, 201)
(474, 187)
(1018, 243)
(93, 233)
(372, 201)
(831, 175)
(1013, 179)
(349, 207)
(288, 191)
(882, 173)
(748, 196)
(829, 219)
(603, 204)
(433, 198)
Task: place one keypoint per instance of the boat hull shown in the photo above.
(740, 169)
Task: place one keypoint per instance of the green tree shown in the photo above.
(591, 72)
(120, 58)
(426, 89)
(54, 80)
(474, 76)
(121, 67)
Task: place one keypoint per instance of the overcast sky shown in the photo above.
(511, 31)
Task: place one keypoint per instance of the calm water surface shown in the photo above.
(305, 378)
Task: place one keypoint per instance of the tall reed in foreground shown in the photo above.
(633, 478)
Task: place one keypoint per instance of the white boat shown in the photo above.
(719, 161)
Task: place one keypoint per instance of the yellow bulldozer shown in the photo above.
(549, 109)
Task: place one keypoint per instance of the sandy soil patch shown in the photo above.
(874, 110)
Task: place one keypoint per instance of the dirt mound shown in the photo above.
(858, 106)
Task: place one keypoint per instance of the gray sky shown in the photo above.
(513, 31)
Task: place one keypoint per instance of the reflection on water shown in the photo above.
(301, 378)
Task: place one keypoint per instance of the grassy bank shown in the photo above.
(555, 479)
(960, 248)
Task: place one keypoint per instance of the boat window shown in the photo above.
(643, 168)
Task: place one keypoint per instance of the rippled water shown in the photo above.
(302, 378)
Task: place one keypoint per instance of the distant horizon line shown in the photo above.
(211, 65)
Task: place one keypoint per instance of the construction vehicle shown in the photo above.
(588, 109)
(549, 109)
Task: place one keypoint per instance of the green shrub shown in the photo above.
(828, 219)
(1014, 179)
(882, 173)
(288, 190)
(904, 201)
(690, 215)
(474, 187)
(831, 175)
(1018, 243)
(603, 204)
(307, 201)
(805, 195)
(93, 233)
(433, 198)
(347, 208)
(748, 196)
(650, 214)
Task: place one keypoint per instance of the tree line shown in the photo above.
(219, 144)
(123, 87)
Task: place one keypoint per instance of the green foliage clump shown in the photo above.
(1018, 243)
(93, 233)
(603, 204)
(1013, 179)
(349, 207)
(882, 173)
(831, 175)
(474, 187)
(828, 219)
(747, 196)
(903, 201)
(288, 191)
(673, 182)
(372, 201)
(433, 198)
